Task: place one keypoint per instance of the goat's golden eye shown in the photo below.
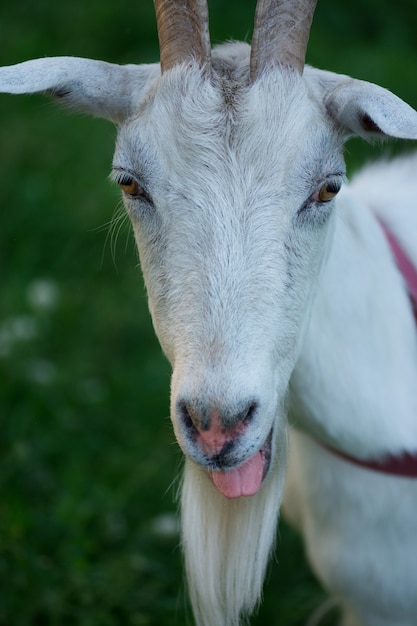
(130, 187)
(328, 191)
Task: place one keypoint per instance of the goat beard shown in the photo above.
(227, 543)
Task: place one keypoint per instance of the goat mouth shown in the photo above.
(247, 478)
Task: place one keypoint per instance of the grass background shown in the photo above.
(87, 455)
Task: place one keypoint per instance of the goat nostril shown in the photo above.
(197, 420)
(189, 416)
(248, 413)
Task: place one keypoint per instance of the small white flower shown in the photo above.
(41, 371)
(22, 327)
(43, 294)
(16, 329)
(166, 525)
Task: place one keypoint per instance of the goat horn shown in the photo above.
(183, 32)
(280, 35)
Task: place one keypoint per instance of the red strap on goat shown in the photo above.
(405, 266)
(406, 464)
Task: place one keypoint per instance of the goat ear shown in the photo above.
(102, 89)
(365, 109)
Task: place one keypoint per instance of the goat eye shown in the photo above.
(327, 192)
(129, 186)
(314, 207)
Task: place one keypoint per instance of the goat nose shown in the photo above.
(213, 428)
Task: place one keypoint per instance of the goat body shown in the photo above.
(354, 381)
(273, 292)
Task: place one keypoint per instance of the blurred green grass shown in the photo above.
(87, 455)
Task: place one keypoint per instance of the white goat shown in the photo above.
(272, 291)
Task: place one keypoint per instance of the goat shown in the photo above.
(275, 296)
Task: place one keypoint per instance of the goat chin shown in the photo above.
(224, 580)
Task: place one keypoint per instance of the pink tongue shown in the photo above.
(243, 481)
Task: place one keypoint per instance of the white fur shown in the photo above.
(263, 297)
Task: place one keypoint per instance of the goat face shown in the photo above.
(229, 177)
(222, 186)
(229, 161)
